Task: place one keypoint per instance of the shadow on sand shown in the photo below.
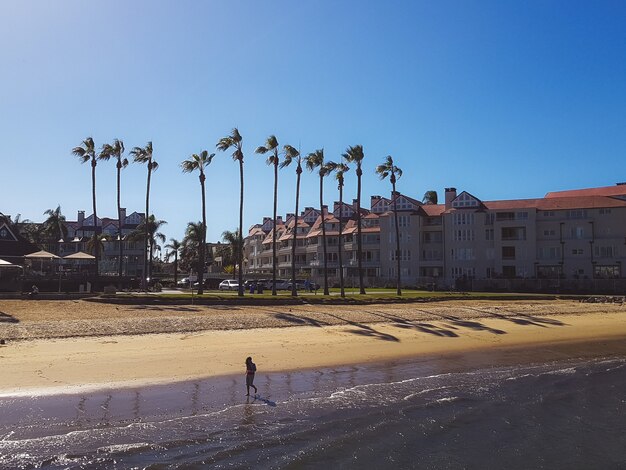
(6, 318)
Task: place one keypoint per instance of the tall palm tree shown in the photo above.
(430, 197)
(354, 154)
(86, 152)
(316, 160)
(234, 141)
(340, 169)
(232, 239)
(271, 146)
(174, 246)
(290, 154)
(55, 227)
(384, 170)
(96, 242)
(144, 155)
(116, 150)
(199, 163)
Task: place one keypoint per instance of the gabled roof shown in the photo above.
(433, 210)
(13, 245)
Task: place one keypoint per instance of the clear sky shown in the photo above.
(504, 99)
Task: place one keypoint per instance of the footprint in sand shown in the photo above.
(108, 342)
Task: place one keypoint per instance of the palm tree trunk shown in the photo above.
(294, 288)
(274, 230)
(176, 268)
(202, 255)
(326, 292)
(119, 223)
(146, 274)
(395, 216)
(95, 215)
(240, 247)
(359, 246)
(343, 293)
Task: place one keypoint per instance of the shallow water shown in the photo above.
(560, 414)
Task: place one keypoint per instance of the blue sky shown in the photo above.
(503, 99)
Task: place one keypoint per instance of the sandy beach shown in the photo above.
(68, 346)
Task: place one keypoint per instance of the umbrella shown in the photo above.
(79, 255)
(6, 264)
(41, 255)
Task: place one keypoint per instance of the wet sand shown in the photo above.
(331, 337)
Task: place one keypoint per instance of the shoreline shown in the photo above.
(88, 364)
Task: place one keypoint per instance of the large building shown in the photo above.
(574, 236)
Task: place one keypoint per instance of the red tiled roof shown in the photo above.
(433, 210)
(617, 190)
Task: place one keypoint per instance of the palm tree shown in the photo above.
(144, 155)
(271, 146)
(200, 162)
(354, 154)
(430, 197)
(87, 152)
(234, 141)
(55, 227)
(290, 154)
(150, 227)
(116, 150)
(340, 169)
(388, 169)
(175, 246)
(194, 235)
(316, 160)
(232, 239)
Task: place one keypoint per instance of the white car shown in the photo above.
(229, 284)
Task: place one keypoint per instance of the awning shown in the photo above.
(41, 255)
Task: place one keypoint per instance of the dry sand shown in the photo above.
(56, 346)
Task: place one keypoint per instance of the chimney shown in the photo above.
(81, 218)
(266, 220)
(450, 196)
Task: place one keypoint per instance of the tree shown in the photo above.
(151, 228)
(116, 150)
(144, 155)
(316, 160)
(430, 197)
(290, 154)
(340, 169)
(384, 170)
(194, 234)
(174, 246)
(354, 154)
(199, 163)
(55, 228)
(232, 248)
(233, 141)
(271, 146)
(86, 152)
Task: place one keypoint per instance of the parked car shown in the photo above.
(205, 283)
(184, 282)
(229, 284)
(281, 284)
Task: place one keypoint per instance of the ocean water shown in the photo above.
(567, 414)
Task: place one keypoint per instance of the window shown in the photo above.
(549, 252)
(489, 218)
(463, 235)
(577, 232)
(606, 272)
(508, 252)
(577, 214)
(548, 214)
(605, 251)
(462, 254)
(577, 251)
(463, 218)
(432, 237)
(521, 215)
(605, 211)
(549, 233)
(501, 216)
(489, 234)
(404, 220)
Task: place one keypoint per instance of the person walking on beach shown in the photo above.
(250, 371)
